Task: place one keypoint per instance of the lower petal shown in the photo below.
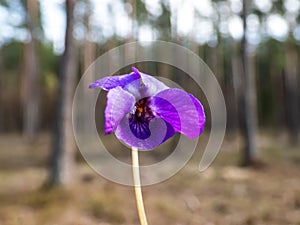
(140, 128)
(160, 132)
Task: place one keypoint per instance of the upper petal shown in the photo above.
(111, 82)
(139, 84)
(152, 85)
(146, 86)
(181, 109)
(119, 103)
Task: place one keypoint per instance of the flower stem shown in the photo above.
(137, 186)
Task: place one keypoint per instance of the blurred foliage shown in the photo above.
(140, 11)
(12, 55)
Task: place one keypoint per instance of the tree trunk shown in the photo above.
(231, 74)
(31, 79)
(64, 145)
(89, 53)
(247, 104)
(1, 93)
(291, 93)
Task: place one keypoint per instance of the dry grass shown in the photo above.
(222, 195)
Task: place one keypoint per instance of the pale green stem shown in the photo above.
(137, 186)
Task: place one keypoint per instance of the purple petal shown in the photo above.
(119, 103)
(152, 85)
(160, 132)
(139, 127)
(182, 110)
(138, 84)
(108, 83)
(169, 133)
(145, 87)
(200, 110)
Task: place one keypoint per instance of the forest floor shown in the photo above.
(224, 194)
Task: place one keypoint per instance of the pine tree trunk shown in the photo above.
(247, 110)
(89, 53)
(291, 91)
(63, 148)
(31, 79)
(232, 71)
(1, 94)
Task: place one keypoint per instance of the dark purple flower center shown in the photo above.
(140, 118)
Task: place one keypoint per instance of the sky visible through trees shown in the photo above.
(199, 20)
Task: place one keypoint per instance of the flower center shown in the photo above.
(139, 120)
(143, 111)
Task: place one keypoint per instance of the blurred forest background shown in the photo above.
(253, 48)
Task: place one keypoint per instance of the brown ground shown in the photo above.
(224, 194)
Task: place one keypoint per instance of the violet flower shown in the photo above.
(143, 112)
